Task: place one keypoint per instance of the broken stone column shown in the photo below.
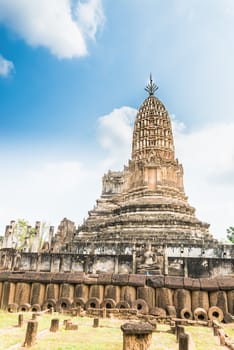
(66, 291)
(37, 294)
(20, 320)
(136, 335)
(82, 291)
(164, 297)
(128, 294)
(182, 300)
(52, 291)
(95, 322)
(184, 341)
(96, 291)
(200, 299)
(230, 300)
(219, 299)
(8, 294)
(179, 331)
(22, 293)
(31, 333)
(54, 326)
(147, 294)
(112, 292)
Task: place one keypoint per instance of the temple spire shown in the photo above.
(151, 87)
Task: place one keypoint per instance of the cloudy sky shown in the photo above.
(72, 76)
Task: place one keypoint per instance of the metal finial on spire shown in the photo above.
(151, 87)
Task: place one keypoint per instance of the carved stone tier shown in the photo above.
(146, 200)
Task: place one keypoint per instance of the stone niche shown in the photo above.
(45, 263)
(125, 264)
(104, 264)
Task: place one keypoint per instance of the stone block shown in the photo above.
(137, 280)
(105, 278)
(157, 311)
(91, 279)
(225, 283)
(192, 283)
(209, 284)
(120, 279)
(174, 282)
(137, 335)
(54, 326)
(155, 281)
(71, 326)
(75, 277)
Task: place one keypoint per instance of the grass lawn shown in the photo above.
(107, 337)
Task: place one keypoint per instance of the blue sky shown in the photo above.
(72, 74)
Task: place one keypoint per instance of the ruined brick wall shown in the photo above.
(147, 294)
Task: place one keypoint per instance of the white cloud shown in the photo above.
(53, 24)
(5, 66)
(207, 156)
(47, 191)
(90, 16)
(115, 135)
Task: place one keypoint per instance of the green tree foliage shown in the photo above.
(22, 232)
(230, 234)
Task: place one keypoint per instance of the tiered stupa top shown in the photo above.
(152, 130)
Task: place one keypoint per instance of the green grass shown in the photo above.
(203, 338)
(107, 337)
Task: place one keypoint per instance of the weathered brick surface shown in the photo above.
(155, 281)
(120, 279)
(174, 282)
(209, 284)
(225, 283)
(192, 283)
(105, 278)
(137, 280)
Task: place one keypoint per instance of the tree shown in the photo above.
(230, 234)
(23, 233)
(20, 233)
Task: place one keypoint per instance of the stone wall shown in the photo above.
(126, 257)
(148, 294)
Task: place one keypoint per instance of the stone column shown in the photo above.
(95, 322)
(136, 336)
(31, 333)
(54, 326)
(20, 320)
(116, 264)
(134, 267)
(165, 261)
(184, 341)
(38, 262)
(185, 267)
